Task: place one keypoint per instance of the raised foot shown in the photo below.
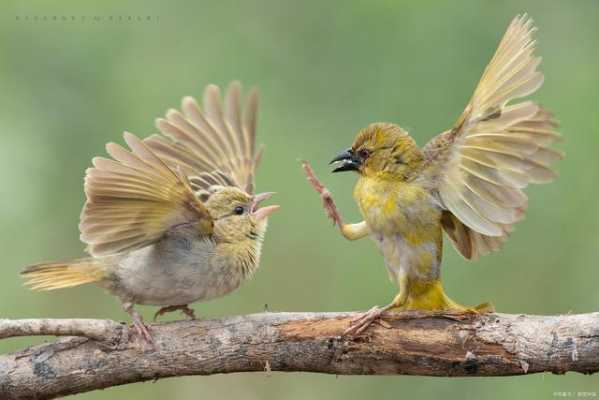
(361, 323)
(327, 200)
(185, 309)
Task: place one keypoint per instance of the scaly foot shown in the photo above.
(138, 323)
(361, 323)
(142, 329)
(327, 200)
(372, 316)
(184, 308)
(399, 304)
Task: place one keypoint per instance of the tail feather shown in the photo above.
(50, 276)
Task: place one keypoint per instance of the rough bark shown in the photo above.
(413, 344)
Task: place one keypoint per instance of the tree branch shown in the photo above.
(415, 344)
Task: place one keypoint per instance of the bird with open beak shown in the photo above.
(467, 181)
(173, 220)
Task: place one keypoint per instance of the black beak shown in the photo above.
(348, 160)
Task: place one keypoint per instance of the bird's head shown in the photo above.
(381, 149)
(237, 214)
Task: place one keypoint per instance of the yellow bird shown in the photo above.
(467, 181)
(174, 220)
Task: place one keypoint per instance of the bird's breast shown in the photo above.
(391, 207)
(405, 224)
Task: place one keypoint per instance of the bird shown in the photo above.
(467, 181)
(173, 219)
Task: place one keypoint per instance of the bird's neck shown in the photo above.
(244, 254)
(393, 172)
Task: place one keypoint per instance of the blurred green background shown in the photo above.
(324, 69)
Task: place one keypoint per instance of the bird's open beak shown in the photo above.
(347, 161)
(262, 212)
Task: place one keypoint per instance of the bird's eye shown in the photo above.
(238, 210)
(364, 153)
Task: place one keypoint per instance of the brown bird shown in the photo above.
(173, 220)
(467, 181)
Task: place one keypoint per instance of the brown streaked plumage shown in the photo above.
(467, 181)
(134, 199)
(174, 219)
(215, 147)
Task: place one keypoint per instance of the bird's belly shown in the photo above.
(175, 272)
(419, 261)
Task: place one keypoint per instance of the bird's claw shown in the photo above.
(383, 323)
(142, 329)
(361, 323)
(329, 207)
(185, 309)
(138, 323)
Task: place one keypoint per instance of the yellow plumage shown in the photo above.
(467, 181)
(63, 275)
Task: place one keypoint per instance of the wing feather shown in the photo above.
(495, 149)
(214, 145)
(134, 199)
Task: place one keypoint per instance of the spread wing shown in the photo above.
(134, 198)
(216, 146)
(495, 149)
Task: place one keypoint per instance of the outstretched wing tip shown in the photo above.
(158, 122)
(131, 138)
(235, 84)
(187, 100)
(220, 136)
(171, 112)
(212, 91)
(112, 148)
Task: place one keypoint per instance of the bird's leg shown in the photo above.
(361, 323)
(138, 323)
(349, 231)
(184, 308)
